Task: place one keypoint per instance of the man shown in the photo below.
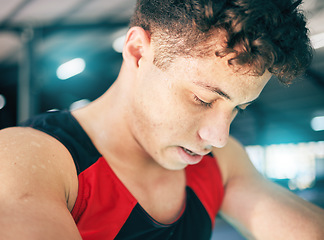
(152, 157)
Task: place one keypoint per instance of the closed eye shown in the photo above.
(203, 103)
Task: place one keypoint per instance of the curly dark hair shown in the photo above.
(263, 34)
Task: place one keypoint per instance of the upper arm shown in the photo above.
(260, 207)
(38, 183)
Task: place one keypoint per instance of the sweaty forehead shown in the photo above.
(215, 73)
(212, 68)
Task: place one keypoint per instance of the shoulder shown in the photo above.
(233, 161)
(35, 192)
(25, 143)
(243, 186)
(256, 206)
(37, 158)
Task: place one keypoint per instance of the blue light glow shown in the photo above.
(317, 123)
(118, 44)
(2, 101)
(71, 68)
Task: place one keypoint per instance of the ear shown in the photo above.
(137, 44)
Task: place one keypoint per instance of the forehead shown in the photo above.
(212, 68)
(215, 72)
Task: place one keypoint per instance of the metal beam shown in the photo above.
(26, 97)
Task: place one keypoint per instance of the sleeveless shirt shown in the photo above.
(105, 209)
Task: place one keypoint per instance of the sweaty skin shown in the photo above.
(160, 112)
(145, 126)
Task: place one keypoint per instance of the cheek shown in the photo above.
(151, 111)
(163, 116)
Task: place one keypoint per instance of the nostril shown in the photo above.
(213, 138)
(209, 147)
(221, 143)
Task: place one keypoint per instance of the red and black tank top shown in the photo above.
(105, 209)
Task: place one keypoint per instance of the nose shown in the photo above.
(215, 129)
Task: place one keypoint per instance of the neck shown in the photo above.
(106, 121)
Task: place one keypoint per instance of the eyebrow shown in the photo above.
(220, 92)
(214, 89)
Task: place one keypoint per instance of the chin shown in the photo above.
(172, 163)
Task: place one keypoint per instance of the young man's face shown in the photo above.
(179, 113)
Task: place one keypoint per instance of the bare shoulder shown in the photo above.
(38, 183)
(260, 209)
(26, 151)
(233, 161)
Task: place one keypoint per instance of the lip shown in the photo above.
(187, 158)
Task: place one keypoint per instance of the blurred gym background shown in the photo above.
(63, 54)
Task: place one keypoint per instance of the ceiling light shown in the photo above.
(317, 40)
(70, 68)
(2, 101)
(118, 44)
(317, 123)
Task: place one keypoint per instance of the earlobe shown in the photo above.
(136, 45)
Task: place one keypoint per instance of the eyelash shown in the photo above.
(201, 102)
(209, 105)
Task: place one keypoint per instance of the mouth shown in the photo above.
(189, 152)
(189, 156)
